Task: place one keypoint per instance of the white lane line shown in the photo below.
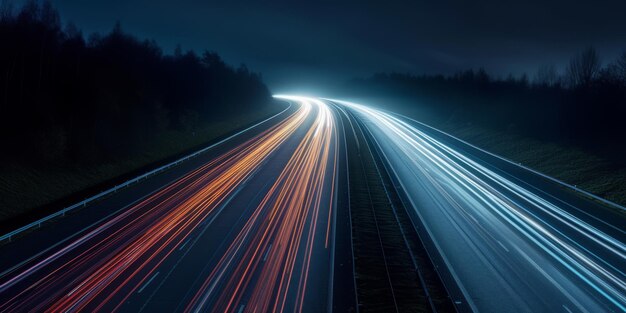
(241, 308)
(184, 244)
(267, 252)
(148, 282)
(161, 187)
(502, 245)
(76, 288)
(567, 309)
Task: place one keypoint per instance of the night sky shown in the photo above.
(318, 43)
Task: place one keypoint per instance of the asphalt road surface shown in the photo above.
(261, 223)
(249, 227)
(507, 239)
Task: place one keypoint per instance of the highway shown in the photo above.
(502, 243)
(263, 223)
(248, 228)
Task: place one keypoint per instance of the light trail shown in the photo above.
(580, 263)
(507, 246)
(102, 268)
(269, 261)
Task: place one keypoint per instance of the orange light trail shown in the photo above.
(101, 268)
(266, 267)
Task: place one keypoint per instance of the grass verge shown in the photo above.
(566, 163)
(570, 164)
(26, 189)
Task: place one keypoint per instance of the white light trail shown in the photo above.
(480, 193)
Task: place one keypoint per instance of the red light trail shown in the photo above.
(101, 268)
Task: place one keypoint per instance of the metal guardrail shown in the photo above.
(560, 182)
(37, 224)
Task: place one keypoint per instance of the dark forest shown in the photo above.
(584, 106)
(64, 97)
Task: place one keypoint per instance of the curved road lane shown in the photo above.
(508, 246)
(250, 230)
(255, 226)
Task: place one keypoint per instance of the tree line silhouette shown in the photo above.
(583, 106)
(64, 97)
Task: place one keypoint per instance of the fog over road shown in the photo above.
(252, 226)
